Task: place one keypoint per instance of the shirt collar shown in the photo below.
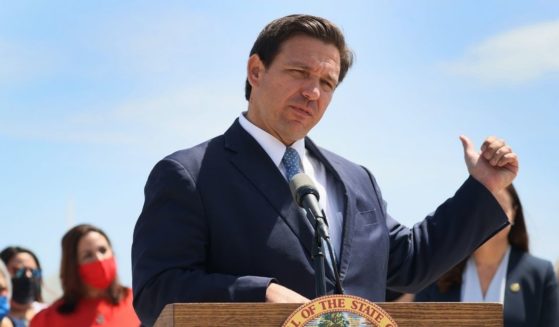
(273, 147)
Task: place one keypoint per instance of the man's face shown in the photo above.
(290, 96)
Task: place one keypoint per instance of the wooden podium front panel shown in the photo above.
(447, 314)
(412, 314)
(225, 314)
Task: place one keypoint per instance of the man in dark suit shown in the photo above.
(219, 222)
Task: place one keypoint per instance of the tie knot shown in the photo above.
(291, 162)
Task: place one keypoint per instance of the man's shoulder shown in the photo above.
(194, 153)
(214, 145)
(186, 160)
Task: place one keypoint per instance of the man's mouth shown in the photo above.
(302, 110)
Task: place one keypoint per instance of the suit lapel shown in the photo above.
(336, 169)
(256, 166)
(514, 299)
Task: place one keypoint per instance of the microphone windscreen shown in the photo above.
(301, 184)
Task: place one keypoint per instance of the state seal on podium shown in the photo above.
(339, 311)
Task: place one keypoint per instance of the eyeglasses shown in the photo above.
(21, 272)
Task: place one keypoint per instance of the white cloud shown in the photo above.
(521, 55)
(180, 116)
(166, 42)
(161, 41)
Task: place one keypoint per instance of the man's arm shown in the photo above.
(169, 251)
(421, 254)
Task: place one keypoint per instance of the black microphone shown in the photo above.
(306, 196)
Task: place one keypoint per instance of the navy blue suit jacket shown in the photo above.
(219, 224)
(535, 304)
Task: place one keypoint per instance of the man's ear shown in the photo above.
(255, 69)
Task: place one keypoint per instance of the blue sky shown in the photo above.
(93, 94)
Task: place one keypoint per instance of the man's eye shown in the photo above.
(298, 73)
(327, 85)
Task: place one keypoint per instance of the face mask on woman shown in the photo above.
(98, 274)
(24, 288)
(4, 306)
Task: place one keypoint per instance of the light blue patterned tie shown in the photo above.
(291, 162)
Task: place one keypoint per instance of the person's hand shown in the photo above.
(495, 166)
(275, 293)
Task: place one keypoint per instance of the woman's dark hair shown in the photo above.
(10, 252)
(268, 43)
(72, 285)
(518, 238)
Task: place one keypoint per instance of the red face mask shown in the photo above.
(99, 274)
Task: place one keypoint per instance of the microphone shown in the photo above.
(306, 196)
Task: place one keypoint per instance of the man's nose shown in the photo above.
(311, 91)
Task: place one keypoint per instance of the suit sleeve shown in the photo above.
(425, 294)
(550, 309)
(421, 254)
(170, 246)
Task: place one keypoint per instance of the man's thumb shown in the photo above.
(468, 146)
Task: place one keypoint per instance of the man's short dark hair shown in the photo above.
(268, 43)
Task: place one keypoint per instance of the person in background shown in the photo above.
(26, 278)
(92, 294)
(5, 296)
(502, 270)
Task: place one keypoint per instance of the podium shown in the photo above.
(406, 314)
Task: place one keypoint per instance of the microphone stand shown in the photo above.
(306, 196)
(317, 254)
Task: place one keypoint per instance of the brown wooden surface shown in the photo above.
(274, 315)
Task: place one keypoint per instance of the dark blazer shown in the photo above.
(219, 224)
(534, 304)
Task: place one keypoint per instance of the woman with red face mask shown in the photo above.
(92, 294)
